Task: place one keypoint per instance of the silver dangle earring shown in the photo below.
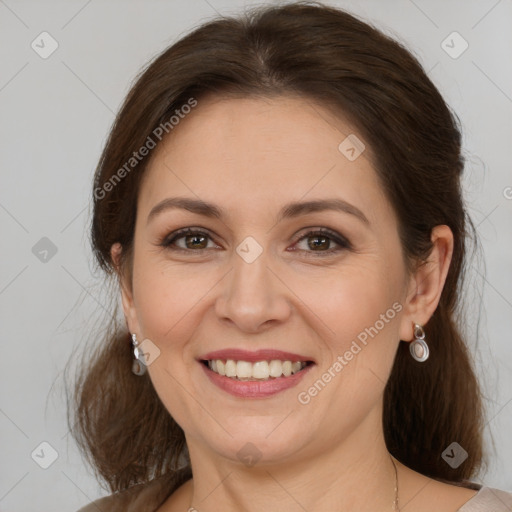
(418, 347)
(139, 363)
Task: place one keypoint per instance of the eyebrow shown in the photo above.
(290, 210)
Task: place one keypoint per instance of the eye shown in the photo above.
(318, 240)
(194, 240)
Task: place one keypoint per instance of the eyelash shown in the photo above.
(342, 242)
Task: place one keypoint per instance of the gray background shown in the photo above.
(56, 113)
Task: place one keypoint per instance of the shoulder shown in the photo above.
(145, 497)
(488, 499)
(100, 505)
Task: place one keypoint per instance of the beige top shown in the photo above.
(149, 497)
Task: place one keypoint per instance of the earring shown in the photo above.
(418, 347)
(139, 363)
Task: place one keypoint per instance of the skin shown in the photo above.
(250, 157)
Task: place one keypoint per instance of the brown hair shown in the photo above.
(331, 57)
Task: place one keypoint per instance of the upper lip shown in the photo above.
(239, 354)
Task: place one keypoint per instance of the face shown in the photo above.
(261, 281)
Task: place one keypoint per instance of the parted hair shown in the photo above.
(329, 56)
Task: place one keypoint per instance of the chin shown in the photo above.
(254, 442)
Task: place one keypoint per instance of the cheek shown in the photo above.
(168, 299)
(359, 355)
(358, 309)
(349, 299)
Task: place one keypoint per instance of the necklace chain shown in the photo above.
(395, 502)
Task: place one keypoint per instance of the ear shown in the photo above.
(426, 285)
(130, 313)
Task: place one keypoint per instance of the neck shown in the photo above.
(355, 474)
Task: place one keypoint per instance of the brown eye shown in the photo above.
(193, 240)
(319, 242)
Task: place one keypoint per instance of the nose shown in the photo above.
(253, 298)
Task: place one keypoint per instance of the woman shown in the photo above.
(280, 202)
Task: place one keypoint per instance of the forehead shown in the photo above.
(246, 151)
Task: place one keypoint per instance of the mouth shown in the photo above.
(258, 374)
(255, 371)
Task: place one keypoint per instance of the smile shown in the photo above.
(255, 371)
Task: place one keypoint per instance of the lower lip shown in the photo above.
(254, 388)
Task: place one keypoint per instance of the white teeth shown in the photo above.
(230, 368)
(276, 368)
(296, 367)
(221, 367)
(243, 369)
(260, 370)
